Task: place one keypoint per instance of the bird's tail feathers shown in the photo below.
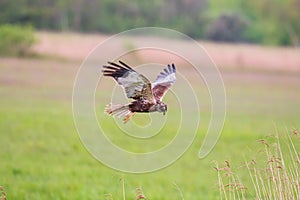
(119, 111)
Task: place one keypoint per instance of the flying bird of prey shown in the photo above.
(147, 96)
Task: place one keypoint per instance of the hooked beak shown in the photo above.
(164, 113)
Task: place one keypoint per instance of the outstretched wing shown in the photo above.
(163, 82)
(136, 85)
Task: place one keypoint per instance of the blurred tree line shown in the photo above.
(274, 22)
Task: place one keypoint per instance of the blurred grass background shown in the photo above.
(42, 156)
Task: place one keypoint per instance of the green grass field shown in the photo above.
(42, 156)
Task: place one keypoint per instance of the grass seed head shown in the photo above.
(2, 193)
(140, 194)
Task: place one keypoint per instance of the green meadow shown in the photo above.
(42, 156)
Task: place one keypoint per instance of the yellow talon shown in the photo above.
(127, 117)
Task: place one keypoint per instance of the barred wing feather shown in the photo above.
(163, 82)
(136, 85)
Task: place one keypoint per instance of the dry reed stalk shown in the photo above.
(274, 177)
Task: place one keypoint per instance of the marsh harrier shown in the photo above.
(147, 96)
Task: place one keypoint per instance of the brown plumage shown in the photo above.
(147, 96)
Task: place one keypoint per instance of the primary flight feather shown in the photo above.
(147, 96)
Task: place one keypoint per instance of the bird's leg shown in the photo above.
(127, 117)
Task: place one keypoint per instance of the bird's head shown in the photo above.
(161, 107)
